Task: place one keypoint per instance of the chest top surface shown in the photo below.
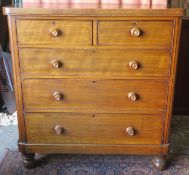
(172, 8)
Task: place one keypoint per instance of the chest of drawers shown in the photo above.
(95, 81)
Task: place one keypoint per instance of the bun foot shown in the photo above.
(28, 160)
(159, 163)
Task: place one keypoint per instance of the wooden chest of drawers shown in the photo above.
(94, 80)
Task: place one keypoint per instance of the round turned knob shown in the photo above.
(134, 65)
(132, 96)
(55, 64)
(135, 32)
(58, 130)
(58, 96)
(54, 32)
(130, 131)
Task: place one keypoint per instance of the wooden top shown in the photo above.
(71, 9)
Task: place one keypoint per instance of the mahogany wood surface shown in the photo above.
(96, 149)
(38, 32)
(153, 33)
(172, 80)
(95, 62)
(93, 10)
(92, 76)
(95, 95)
(93, 128)
(17, 80)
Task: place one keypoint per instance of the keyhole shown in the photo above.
(134, 23)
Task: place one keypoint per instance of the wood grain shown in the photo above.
(153, 33)
(95, 62)
(172, 80)
(166, 12)
(93, 129)
(17, 79)
(97, 149)
(95, 95)
(37, 32)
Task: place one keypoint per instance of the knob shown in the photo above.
(55, 64)
(134, 65)
(58, 130)
(135, 32)
(132, 96)
(54, 32)
(58, 96)
(130, 131)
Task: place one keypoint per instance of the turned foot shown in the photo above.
(159, 163)
(28, 160)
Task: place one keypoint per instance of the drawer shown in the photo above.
(60, 128)
(140, 33)
(95, 62)
(56, 32)
(81, 95)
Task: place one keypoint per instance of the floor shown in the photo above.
(78, 164)
(8, 139)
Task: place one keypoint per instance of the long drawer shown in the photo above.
(61, 128)
(136, 33)
(95, 62)
(83, 95)
(61, 32)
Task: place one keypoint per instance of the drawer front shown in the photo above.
(94, 95)
(61, 32)
(95, 62)
(140, 33)
(60, 128)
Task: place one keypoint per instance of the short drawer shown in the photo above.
(55, 32)
(81, 95)
(136, 33)
(61, 128)
(95, 62)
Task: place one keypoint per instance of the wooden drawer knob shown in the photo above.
(58, 96)
(130, 131)
(134, 65)
(55, 64)
(54, 32)
(58, 130)
(135, 32)
(132, 96)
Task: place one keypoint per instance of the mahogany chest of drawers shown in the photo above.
(96, 81)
